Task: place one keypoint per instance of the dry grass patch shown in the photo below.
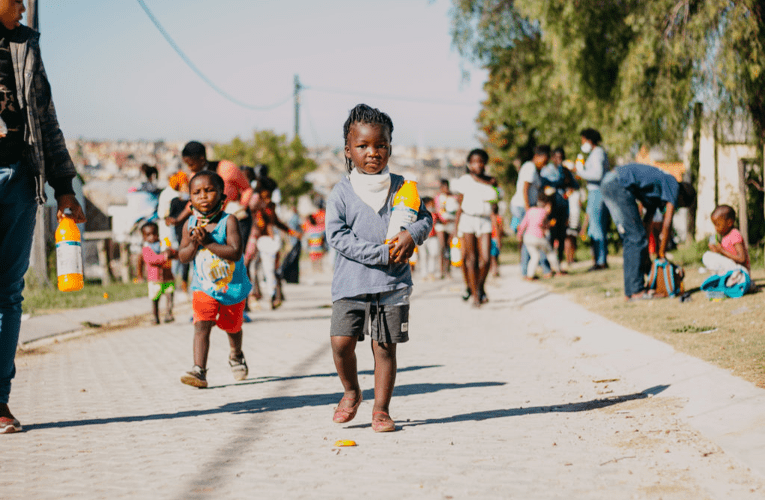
(728, 333)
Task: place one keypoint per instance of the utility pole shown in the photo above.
(38, 262)
(298, 87)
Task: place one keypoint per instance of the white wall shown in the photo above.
(727, 177)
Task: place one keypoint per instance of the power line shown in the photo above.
(199, 73)
(390, 97)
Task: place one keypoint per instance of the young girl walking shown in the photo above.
(476, 193)
(219, 282)
(372, 281)
(532, 233)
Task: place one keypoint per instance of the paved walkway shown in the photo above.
(529, 397)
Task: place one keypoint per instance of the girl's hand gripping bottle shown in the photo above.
(406, 204)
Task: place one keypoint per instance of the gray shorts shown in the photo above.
(383, 316)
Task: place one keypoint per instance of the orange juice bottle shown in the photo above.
(68, 256)
(455, 252)
(406, 204)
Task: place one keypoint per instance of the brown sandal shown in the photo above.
(343, 415)
(383, 425)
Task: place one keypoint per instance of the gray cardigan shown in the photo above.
(358, 234)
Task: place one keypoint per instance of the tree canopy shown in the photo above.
(632, 69)
(287, 162)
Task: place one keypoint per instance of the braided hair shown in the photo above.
(362, 113)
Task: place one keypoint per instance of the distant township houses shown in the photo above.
(111, 168)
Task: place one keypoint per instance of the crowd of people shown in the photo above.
(636, 200)
(213, 229)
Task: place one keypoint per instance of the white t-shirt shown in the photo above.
(163, 211)
(530, 174)
(477, 197)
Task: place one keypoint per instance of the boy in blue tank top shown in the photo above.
(219, 285)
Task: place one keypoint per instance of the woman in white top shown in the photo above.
(476, 192)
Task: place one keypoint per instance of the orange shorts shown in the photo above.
(227, 318)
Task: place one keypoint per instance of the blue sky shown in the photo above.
(115, 77)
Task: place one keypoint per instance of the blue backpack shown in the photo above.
(717, 283)
(666, 279)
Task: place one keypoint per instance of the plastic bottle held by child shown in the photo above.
(406, 204)
(68, 256)
(579, 164)
(455, 252)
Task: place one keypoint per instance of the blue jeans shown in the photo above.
(624, 210)
(17, 221)
(596, 229)
(518, 213)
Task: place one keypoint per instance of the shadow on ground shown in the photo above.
(263, 380)
(594, 404)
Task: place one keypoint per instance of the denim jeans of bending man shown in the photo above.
(597, 214)
(17, 221)
(518, 213)
(624, 210)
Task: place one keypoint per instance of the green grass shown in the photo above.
(45, 300)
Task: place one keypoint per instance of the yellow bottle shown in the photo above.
(166, 243)
(455, 252)
(406, 204)
(68, 256)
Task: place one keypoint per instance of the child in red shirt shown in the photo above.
(316, 240)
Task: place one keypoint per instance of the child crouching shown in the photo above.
(728, 251)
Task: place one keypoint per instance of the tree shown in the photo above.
(287, 162)
(607, 64)
(634, 69)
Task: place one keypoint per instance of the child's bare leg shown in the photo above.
(471, 265)
(441, 252)
(569, 245)
(385, 374)
(169, 312)
(344, 356)
(155, 310)
(235, 342)
(483, 251)
(252, 270)
(202, 342)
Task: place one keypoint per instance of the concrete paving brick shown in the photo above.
(499, 402)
